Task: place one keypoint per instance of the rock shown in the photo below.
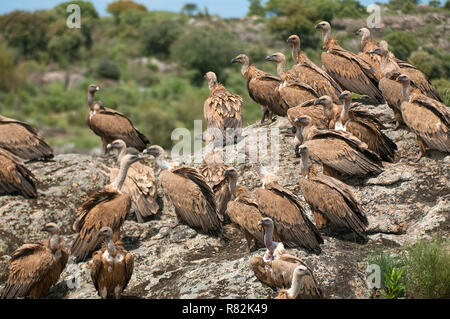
(407, 201)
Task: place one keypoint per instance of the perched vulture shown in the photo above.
(274, 249)
(349, 70)
(332, 202)
(221, 178)
(111, 125)
(111, 266)
(289, 274)
(262, 88)
(292, 91)
(245, 214)
(23, 140)
(222, 110)
(307, 72)
(288, 215)
(108, 207)
(429, 119)
(189, 193)
(15, 178)
(366, 127)
(309, 108)
(140, 184)
(340, 153)
(34, 268)
(367, 45)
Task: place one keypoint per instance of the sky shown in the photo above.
(224, 8)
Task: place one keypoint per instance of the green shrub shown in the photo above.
(152, 41)
(87, 9)
(116, 8)
(108, 69)
(387, 262)
(394, 287)
(402, 43)
(443, 86)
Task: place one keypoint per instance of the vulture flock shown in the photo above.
(334, 137)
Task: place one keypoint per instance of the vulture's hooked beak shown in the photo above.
(357, 32)
(269, 58)
(234, 60)
(375, 51)
(317, 102)
(341, 97)
(317, 26)
(45, 228)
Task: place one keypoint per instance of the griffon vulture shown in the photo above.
(427, 118)
(307, 72)
(111, 266)
(274, 249)
(288, 215)
(140, 184)
(332, 202)
(189, 193)
(222, 110)
(309, 108)
(23, 140)
(367, 45)
(292, 91)
(221, 178)
(108, 207)
(15, 178)
(262, 88)
(366, 128)
(349, 70)
(34, 268)
(339, 152)
(111, 125)
(289, 274)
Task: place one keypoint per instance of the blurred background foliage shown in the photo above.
(150, 64)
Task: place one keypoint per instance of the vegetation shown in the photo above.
(158, 80)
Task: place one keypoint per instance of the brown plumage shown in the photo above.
(222, 110)
(309, 73)
(15, 178)
(309, 108)
(262, 88)
(289, 274)
(349, 70)
(367, 45)
(189, 193)
(108, 207)
(111, 266)
(340, 153)
(292, 90)
(288, 215)
(23, 140)
(221, 178)
(332, 202)
(366, 127)
(111, 125)
(427, 118)
(140, 184)
(34, 268)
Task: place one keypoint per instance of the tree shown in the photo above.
(153, 42)
(405, 6)
(402, 43)
(87, 9)
(107, 69)
(120, 6)
(255, 8)
(189, 9)
(434, 3)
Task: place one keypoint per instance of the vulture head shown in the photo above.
(303, 150)
(117, 144)
(154, 150)
(345, 96)
(324, 26)
(211, 78)
(230, 173)
(51, 228)
(403, 79)
(105, 232)
(241, 59)
(266, 224)
(325, 100)
(364, 33)
(303, 121)
(276, 57)
(294, 40)
(93, 88)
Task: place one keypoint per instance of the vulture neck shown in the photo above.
(110, 247)
(90, 99)
(296, 52)
(212, 84)
(406, 90)
(232, 185)
(118, 183)
(122, 153)
(308, 132)
(54, 242)
(344, 113)
(244, 68)
(268, 239)
(281, 68)
(295, 287)
(326, 36)
(305, 166)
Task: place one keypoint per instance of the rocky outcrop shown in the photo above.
(409, 200)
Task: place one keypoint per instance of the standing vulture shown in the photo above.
(274, 249)
(309, 108)
(332, 202)
(189, 193)
(292, 91)
(23, 140)
(34, 268)
(349, 70)
(15, 178)
(222, 110)
(288, 215)
(262, 88)
(221, 178)
(367, 45)
(427, 118)
(111, 266)
(339, 152)
(111, 125)
(307, 72)
(108, 207)
(289, 274)
(366, 127)
(140, 184)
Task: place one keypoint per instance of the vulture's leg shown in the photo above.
(398, 118)
(265, 112)
(117, 291)
(248, 238)
(422, 148)
(320, 220)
